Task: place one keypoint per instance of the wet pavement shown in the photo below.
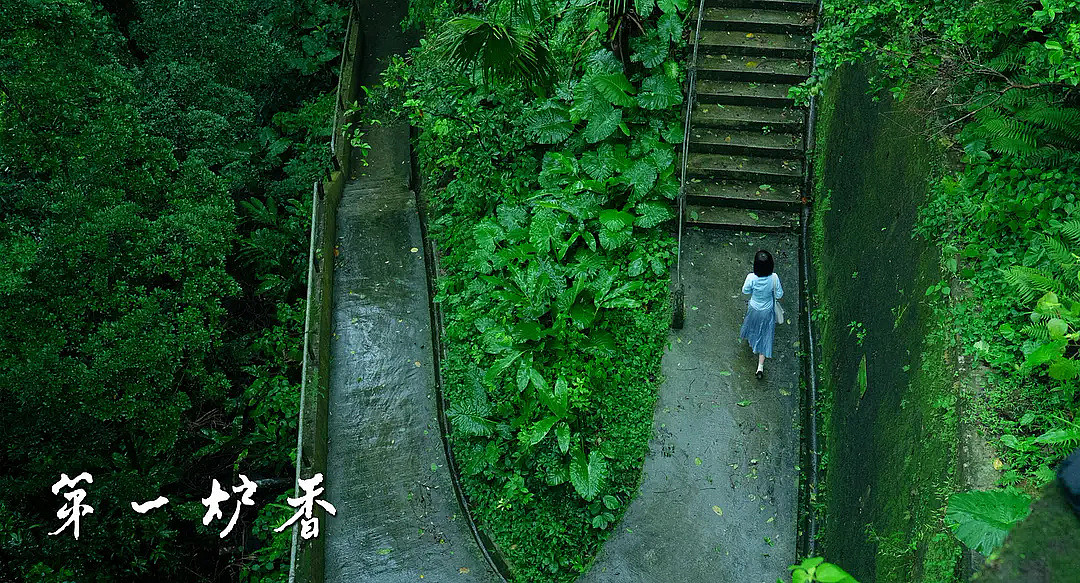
(397, 518)
(718, 500)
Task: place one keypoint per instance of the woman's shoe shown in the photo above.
(759, 374)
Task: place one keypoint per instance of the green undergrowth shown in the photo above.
(550, 182)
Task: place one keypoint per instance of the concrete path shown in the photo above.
(719, 498)
(397, 518)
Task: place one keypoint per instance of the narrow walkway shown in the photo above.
(719, 497)
(397, 518)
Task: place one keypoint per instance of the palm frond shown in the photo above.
(495, 50)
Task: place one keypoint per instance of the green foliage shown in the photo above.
(815, 569)
(547, 214)
(494, 50)
(158, 160)
(981, 519)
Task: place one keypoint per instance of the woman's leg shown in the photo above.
(761, 362)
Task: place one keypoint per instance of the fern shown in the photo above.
(1030, 282)
(1057, 251)
(1009, 60)
(1071, 230)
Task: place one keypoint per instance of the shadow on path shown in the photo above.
(719, 498)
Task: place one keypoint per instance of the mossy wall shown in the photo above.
(888, 394)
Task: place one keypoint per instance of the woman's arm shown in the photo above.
(746, 287)
(779, 288)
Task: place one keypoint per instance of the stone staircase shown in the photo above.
(745, 165)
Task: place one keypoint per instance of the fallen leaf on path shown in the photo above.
(697, 461)
(413, 250)
(717, 510)
(463, 570)
(725, 373)
(745, 403)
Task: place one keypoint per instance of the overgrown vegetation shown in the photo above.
(157, 159)
(997, 83)
(546, 147)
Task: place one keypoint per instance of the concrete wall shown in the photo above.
(888, 398)
(894, 447)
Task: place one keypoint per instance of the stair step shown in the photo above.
(759, 69)
(743, 194)
(747, 143)
(741, 219)
(778, 5)
(756, 20)
(747, 117)
(744, 93)
(761, 170)
(734, 42)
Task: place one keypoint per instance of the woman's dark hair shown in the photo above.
(763, 263)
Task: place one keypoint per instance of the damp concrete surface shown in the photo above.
(718, 501)
(397, 517)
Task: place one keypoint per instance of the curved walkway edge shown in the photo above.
(719, 496)
(387, 473)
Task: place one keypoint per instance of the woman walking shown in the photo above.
(764, 288)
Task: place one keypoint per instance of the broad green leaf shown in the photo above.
(982, 519)
(614, 239)
(582, 314)
(644, 7)
(562, 434)
(615, 88)
(524, 369)
(642, 175)
(469, 414)
(1061, 435)
(549, 125)
(862, 377)
(1045, 353)
(651, 214)
(616, 220)
(669, 6)
(659, 92)
(500, 365)
(669, 26)
(543, 228)
(539, 430)
(561, 397)
(597, 163)
(829, 573)
(648, 50)
(1057, 327)
(587, 474)
(602, 123)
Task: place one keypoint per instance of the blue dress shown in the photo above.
(760, 323)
